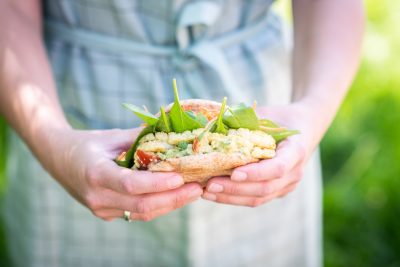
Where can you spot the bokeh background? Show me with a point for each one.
(360, 154)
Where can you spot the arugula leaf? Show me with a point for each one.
(180, 120)
(241, 116)
(220, 127)
(146, 116)
(164, 123)
(128, 162)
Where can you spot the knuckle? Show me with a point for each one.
(280, 169)
(232, 189)
(265, 190)
(127, 186)
(92, 176)
(157, 185)
(101, 216)
(178, 201)
(92, 202)
(142, 206)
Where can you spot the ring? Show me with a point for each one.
(127, 216)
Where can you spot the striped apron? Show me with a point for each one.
(105, 52)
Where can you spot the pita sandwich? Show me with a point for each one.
(201, 139)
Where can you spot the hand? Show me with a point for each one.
(257, 183)
(84, 166)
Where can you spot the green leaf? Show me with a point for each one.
(220, 127)
(180, 120)
(283, 135)
(128, 162)
(241, 116)
(268, 123)
(201, 118)
(146, 116)
(164, 123)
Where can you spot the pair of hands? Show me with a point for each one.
(86, 168)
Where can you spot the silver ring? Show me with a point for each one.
(127, 216)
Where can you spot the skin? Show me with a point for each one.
(327, 45)
(323, 69)
(81, 161)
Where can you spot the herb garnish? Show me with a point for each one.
(146, 116)
(181, 120)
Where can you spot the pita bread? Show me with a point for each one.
(201, 167)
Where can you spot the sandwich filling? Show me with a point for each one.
(159, 146)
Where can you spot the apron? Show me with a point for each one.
(106, 52)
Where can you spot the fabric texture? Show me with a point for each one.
(47, 227)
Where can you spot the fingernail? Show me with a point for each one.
(210, 196)
(175, 181)
(239, 176)
(196, 192)
(215, 188)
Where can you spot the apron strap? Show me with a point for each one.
(207, 51)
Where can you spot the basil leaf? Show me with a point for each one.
(180, 120)
(146, 116)
(220, 127)
(241, 116)
(164, 123)
(128, 162)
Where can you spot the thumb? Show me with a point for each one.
(122, 139)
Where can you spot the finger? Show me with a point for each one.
(254, 189)
(134, 182)
(122, 138)
(233, 200)
(245, 200)
(289, 153)
(149, 203)
(287, 190)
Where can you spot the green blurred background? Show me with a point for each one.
(360, 155)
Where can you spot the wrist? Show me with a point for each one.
(47, 143)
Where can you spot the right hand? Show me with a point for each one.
(83, 162)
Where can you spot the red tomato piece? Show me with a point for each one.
(146, 158)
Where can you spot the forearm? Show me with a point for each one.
(327, 45)
(28, 99)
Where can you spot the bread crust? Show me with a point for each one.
(201, 167)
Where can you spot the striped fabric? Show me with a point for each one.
(47, 227)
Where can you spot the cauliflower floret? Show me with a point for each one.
(262, 153)
(155, 146)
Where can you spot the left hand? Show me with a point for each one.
(257, 183)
